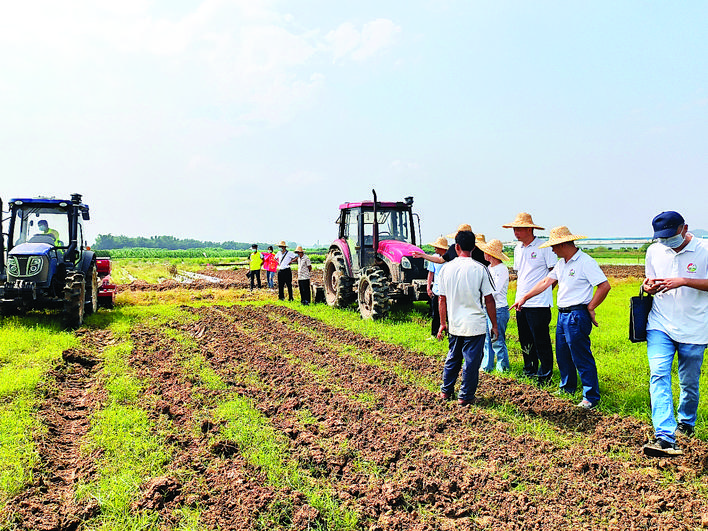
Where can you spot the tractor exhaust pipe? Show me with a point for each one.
(376, 226)
(2, 244)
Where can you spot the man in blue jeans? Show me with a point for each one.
(677, 275)
(576, 274)
(463, 284)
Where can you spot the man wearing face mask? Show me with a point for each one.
(677, 275)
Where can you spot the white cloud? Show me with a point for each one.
(374, 37)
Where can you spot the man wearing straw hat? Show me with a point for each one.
(677, 276)
(285, 274)
(451, 254)
(440, 246)
(464, 283)
(576, 274)
(493, 252)
(532, 263)
(304, 270)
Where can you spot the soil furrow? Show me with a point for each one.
(72, 396)
(583, 476)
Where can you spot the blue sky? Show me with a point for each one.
(252, 121)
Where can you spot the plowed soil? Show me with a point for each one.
(363, 419)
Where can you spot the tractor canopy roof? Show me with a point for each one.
(380, 204)
(50, 202)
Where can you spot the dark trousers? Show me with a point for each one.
(257, 275)
(435, 314)
(285, 278)
(535, 339)
(573, 354)
(304, 286)
(467, 349)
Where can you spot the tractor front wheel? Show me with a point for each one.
(339, 287)
(74, 299)
(373, 294)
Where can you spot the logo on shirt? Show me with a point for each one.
(571, 273)
(691, 268)
(533, 254)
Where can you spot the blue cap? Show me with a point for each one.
(666, 223)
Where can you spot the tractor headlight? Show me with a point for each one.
(34, 265)
(13, 266)
(405, 263)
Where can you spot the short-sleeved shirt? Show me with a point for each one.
(500, 279)
(303, 268)
(681, 313)
(464, 282)
(576, 279)
(284, 258)
(435, 269)
(532, 263)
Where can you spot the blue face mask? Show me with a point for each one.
(673, 241)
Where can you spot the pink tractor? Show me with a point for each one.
(371, 260)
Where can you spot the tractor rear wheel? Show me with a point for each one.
(91, 290)
(339, 287)
(74, 299)
(373, 294)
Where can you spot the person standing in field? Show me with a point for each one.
(464, 284)
(270, 264)
(676, 269)
(285, 274)
(304, 270)
(576, 274)
(440, 245)
(532, 263)
(255, 260)
(494, 254)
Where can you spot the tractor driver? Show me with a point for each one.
(43, 226)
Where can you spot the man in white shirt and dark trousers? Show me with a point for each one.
(576, 274)
(677, 276)
(304, 270)
(285, 274)
(463, 284)
(532, 263)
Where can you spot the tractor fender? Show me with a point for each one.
(341, 246)
(88, 257)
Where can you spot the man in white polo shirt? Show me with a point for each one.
(677, 275)
(576, 275)
(464, 283)
(532, 263)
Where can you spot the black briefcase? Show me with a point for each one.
(639, 308)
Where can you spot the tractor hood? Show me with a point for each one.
(394, 250)
(31, 249)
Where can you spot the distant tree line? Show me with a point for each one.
(108, 241)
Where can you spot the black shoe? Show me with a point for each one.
(661, 448)
(463, 403)
(684, 429)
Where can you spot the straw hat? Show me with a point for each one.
(523, 219)
(298, 249)
(463, 227)
(282, 244)
(479, 238)
(560, 235)
(440, 243)
(494, 248)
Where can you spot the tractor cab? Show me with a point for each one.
(357, 228)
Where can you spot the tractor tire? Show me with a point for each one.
(74, 299)
(91, 290)
(373, 294)
(338, 286)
